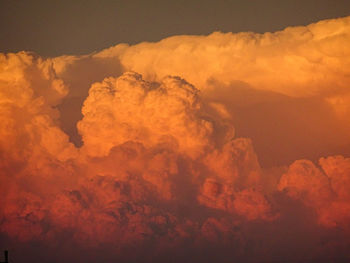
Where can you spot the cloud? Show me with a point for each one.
(194, 148)
(130, 109)
(324, 189)
(270, 77)
(298, 61)
(29, 91)
(143, 143)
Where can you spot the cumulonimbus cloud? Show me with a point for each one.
(160, 165)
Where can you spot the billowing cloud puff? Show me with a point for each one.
(325, 189)
(131, 109)
(196, 145)
(234, 175)
(29, 88)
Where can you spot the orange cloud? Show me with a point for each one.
(131, 109)
(326, 190)
(181, 144)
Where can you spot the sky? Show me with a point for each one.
(175, 132)
(52, 28)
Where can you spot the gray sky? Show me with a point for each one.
(81, 26)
